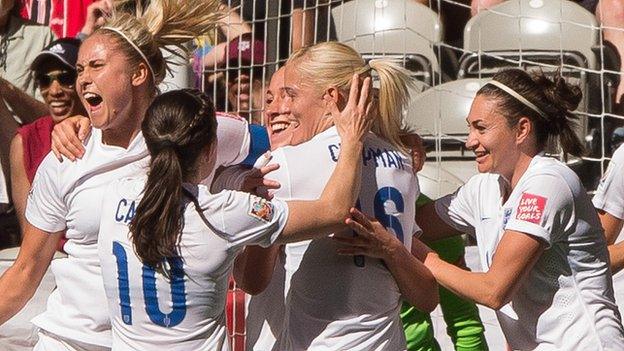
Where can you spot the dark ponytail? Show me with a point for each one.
(555, 98)
(178, 127)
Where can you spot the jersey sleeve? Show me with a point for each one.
(458, 209)
(245, 219)
(45, 208)
(609, 196)
(544, 208)
(238, 141)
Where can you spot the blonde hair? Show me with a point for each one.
(163, 24)
(333, 64)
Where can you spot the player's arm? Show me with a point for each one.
(515, 256)
(309, 219)
(253, 268)
(19, 180)
(433, 227)
(26, 107)
(415, 281)
(611, 224)
(19, 283)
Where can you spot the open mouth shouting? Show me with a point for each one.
(94, 101)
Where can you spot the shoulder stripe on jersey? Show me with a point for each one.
(258, 145)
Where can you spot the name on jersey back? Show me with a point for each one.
(379, 157)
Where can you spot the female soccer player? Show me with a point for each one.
(332, 301)
(119, 68)
(544, 258)
(179, 229)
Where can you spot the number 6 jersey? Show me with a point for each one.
(332, 301)
(186, 311)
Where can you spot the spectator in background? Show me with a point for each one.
(64, 17)
(240, 65)
(300, 22)
(55, 74)
(20, 42)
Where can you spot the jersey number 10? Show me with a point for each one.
(178, 294)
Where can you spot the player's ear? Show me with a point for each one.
(523, 129)
(332, 94)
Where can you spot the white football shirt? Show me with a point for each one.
(566, 301)
(332, 303)
(609, 196)
(67, 195)
(187, 311)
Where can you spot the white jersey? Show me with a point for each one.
(609, 196)
(238, 142)
(566, 301)
(67, 196)
(187, 311)
(332, 303)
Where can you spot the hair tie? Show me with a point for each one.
(125, 37)
(518, 97)
(166, 144)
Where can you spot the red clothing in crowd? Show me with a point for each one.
(36, 140)
(37, 143)
(64, 17)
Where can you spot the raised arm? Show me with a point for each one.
(26, 107)
(340, 193)
(19, 283)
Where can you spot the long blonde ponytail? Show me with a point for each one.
(333, 64)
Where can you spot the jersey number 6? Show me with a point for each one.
(178, 295)
(388, 220)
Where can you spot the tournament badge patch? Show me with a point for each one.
(262, 209)
(531, 208)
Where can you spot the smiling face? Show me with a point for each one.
(277, 116)
(104, 82)
(492, 140)
(308, 110)
(58, 93)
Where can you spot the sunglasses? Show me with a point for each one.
(65, 78)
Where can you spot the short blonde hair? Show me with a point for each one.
(333, 64)
(163, 24)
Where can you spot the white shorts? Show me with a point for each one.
(52, 342)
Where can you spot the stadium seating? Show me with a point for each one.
(403, 30)
(439, 116)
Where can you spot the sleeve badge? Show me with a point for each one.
(531, 208)
(262, 209)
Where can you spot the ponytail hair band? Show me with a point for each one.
(166, 144)
(518, 97)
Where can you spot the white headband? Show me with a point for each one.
(135, 48)
(518, 97)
